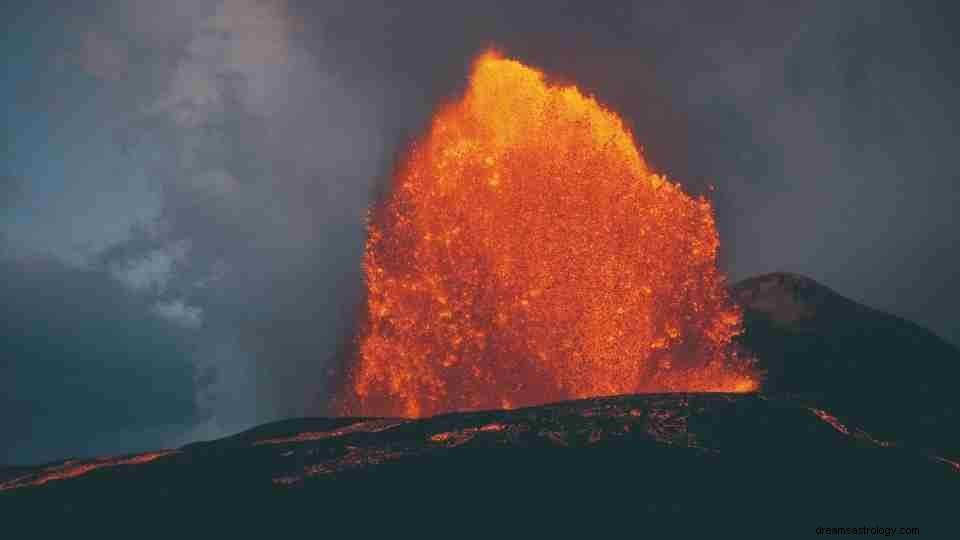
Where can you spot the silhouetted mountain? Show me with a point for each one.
(852, 359)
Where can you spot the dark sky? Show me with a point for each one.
(183, 183)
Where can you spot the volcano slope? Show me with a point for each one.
(630, 461)
(897, 379)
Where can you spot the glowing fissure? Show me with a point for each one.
(372, 426)
(75, 468)
(528, 254)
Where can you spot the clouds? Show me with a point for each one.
(102, 57)
(153, 270)
(84, 367)
(272, 156)
(221, 116)
(10, 190)
(177, 312)
(240, 51)
(275, 155)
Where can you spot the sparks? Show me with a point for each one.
(528, 254)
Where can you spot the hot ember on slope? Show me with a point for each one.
(528, 254)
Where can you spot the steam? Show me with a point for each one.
(264, 157)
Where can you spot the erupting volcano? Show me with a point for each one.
(528, 254)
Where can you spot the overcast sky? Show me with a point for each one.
(183, 183)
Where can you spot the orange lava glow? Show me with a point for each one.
(528, 254)
(832, 420)
(371, 426)
(74, 468)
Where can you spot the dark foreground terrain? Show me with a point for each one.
(671, 460)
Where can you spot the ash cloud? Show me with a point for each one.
(272, 154)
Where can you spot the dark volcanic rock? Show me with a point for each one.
(853, 359)
(625, 462)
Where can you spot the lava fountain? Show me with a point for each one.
(528, 254)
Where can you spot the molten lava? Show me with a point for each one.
(75, 468)
(528, 254)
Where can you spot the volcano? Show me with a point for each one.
(817, 447)
(547, 338)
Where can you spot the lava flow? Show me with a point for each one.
(75, 468)
(528, 254)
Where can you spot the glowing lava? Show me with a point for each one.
(75, 468)
(528, 254)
